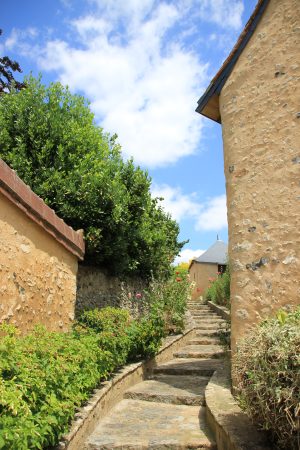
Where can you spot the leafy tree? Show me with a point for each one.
(50, 138)
(7, 67)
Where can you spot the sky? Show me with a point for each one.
(143, 65)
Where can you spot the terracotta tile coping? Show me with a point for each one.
(34, 207)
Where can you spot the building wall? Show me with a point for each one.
(200, 274)
(95, 289)
(37, 274)
(260, 110)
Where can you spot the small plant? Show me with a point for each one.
(267, 369)
(219, 289)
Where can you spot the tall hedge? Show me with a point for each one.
(50, 138)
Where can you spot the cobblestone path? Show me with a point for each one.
(168, 410)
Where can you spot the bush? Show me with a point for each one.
(166, 300)
(125, 338)
(49, 137)
(219, 289)
(44, 377)
(111, 325)
(145, 337)
(267, 370)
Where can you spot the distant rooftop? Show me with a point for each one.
(216, 254)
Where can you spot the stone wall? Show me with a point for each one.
(38, 259)
(260, 110)
(95, 289)
(200, 273)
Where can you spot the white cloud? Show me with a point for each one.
(209, 215)
(141, 88)
(225, 13)
(186, 255)
(21, 40)
(131, 60)
(176, 203)
(214, 214)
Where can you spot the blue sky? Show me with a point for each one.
(143, 64)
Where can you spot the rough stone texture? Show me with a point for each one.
(231, 427)
(220, 310)
(200, 274)
(112, 391)
(95, 289)
(261, 131)
(37, 273)
(155, 426)
(173, 389)
(188, 366)
(200, 351)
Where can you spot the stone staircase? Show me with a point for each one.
(168, 410)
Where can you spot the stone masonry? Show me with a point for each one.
(260, 112)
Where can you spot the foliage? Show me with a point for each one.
(145, 337)
(44, 377)
(7, 80)
(50, 138)
(125, 338)
(182, 269)
(267, 369)
(106, 319)
(219, 289)
(166, 300)
(111, 325)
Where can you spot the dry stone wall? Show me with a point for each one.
(95, 289)
(260, 110)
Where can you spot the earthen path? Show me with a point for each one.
(168, 410)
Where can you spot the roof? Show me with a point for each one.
(216, 254)
(208, 104)
(13, 188)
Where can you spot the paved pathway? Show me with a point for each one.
(168, 410)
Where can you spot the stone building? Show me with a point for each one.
(39, 256)
(256, 97)
(206, 267)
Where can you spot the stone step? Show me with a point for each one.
(204, 340)
(207, 333)
(210, 326)
(215, 320)
(189, 366)
(200, 351)
(140, 425)
(205, 317)
(203, 313)
(183, 390)
(199, 307)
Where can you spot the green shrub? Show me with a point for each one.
(110, 319)
(44, 377)
(267, 370)
(49, 137)
(167, 300)
(111, 325)
(145, 337)
(219, 289)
